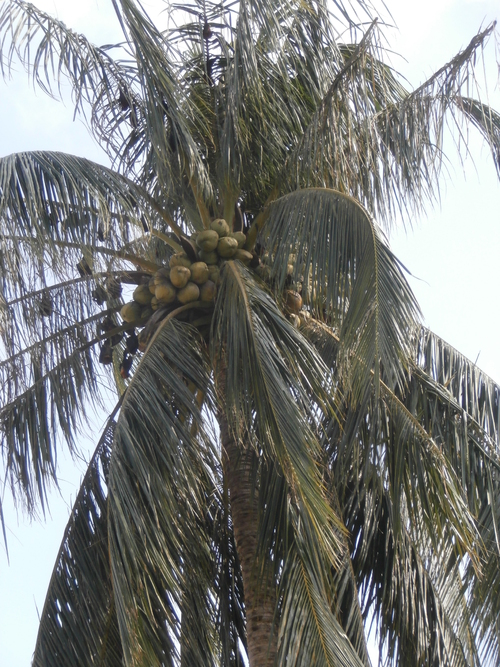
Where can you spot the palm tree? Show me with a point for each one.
(292, 457)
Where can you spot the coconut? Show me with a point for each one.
(131, 312)
(227, 247)
(146, 313)
(293, 301)
(151, 285)
(161, 275)
(208, 291)
(207, 240)
(199, 273)
(220, 226)
(240, 237)
(142, 295)
(179, 276)
(295, 320)
(180, 259)
(190, 292)
(165, 292)
(154, 303)
(214, 273)
(244, 256)
(209, 257)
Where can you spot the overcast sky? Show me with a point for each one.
(454, 251)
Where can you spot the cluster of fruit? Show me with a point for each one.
(190, 277)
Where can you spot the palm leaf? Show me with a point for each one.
(349, 276)
(161, 483)
(78, 624)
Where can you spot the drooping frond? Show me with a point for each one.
(266, 371)
(78, 624)
(349, 277)
(162, 479)
(383, 145)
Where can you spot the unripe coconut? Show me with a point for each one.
(295, 320)
(214, 273)
(209, 257)
(154, 303)
(179, 276)
(240, 237)
(131, 312)
(293, 301)
(207, 240)
(227, 247)
(165, 292)
(179, 259)
(152, 285)
(220, 226)
(208, 291)
(189, 293)
(200, 272)
(244, 256)
(142, 295)
(161, 275)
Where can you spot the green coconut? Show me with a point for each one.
(209, 257)
(214, 273)
(240, 237)
(207, 240)
(191, 292)
(179, 259)
(208, 291)
(244, 256)
(200, 272)
(142, 295)
(152, 285)
(179, 276)
(161, 275)
(227, 247)
(131, 312)
(165, 292)
(220, 226)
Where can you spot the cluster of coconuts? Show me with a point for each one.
(186, 280)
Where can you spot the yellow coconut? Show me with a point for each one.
(240, 237)
(244, 256)
(142, 295)
(199, 273)
(179, 276)
(165, 292)
(131, 312)
(293, 301)
(220, 226)
(227, 247)
(208, 291)
(179, 259)
(209, 257)
(214, 273)
(161, 275)
(191, 292)
(207, 240)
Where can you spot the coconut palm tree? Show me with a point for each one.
(292, 458)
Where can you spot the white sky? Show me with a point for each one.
(454, 251)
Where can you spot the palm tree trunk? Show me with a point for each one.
(260, 600)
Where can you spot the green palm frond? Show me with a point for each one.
(349, 277)
(78, 624)
(268, 369)
(160, 492)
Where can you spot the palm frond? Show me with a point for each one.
(268, 370)
(381, 144)
(161, 482)
(78, 624)
(349, 277)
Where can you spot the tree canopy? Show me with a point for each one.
(292, 456)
